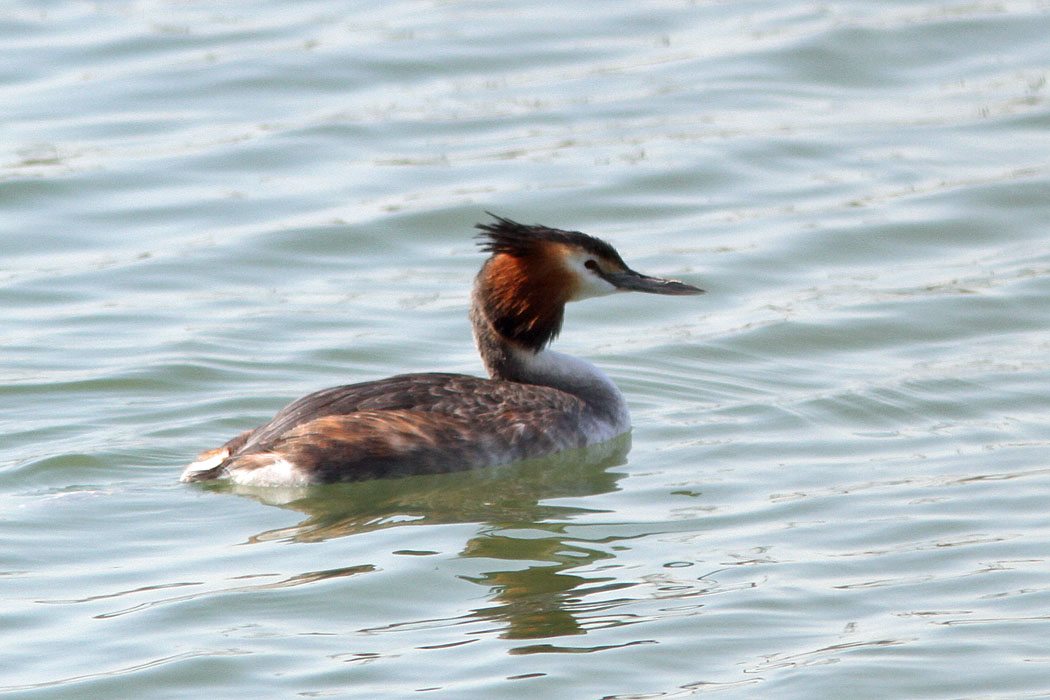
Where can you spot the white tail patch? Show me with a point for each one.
(274, 471)
(205, 461)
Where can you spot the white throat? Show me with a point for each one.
(579, 378)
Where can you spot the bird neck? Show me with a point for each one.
(509, 359)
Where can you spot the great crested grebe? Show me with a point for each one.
(537, 401)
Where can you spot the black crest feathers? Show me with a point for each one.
(510, 237)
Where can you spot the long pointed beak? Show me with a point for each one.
(631, 281)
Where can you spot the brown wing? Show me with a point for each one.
(410, 424)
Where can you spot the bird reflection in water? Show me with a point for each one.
(538, 600)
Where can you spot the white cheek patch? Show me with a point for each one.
(588, 283)
(593, 286)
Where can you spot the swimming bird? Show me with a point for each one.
(535, 402)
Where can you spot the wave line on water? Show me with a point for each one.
(297, 580)
(121, 671)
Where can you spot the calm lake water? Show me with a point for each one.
(838, 480)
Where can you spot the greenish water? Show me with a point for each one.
(838, 478)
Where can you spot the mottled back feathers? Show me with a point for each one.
(408, 424)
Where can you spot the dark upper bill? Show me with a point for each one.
(632, 281)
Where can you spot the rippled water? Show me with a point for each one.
(840, 468)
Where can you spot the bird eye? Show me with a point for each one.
(592, 265)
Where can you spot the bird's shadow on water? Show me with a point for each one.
(533, 593)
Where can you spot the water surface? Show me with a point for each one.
(840, 464)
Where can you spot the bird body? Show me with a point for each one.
(535, 401)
